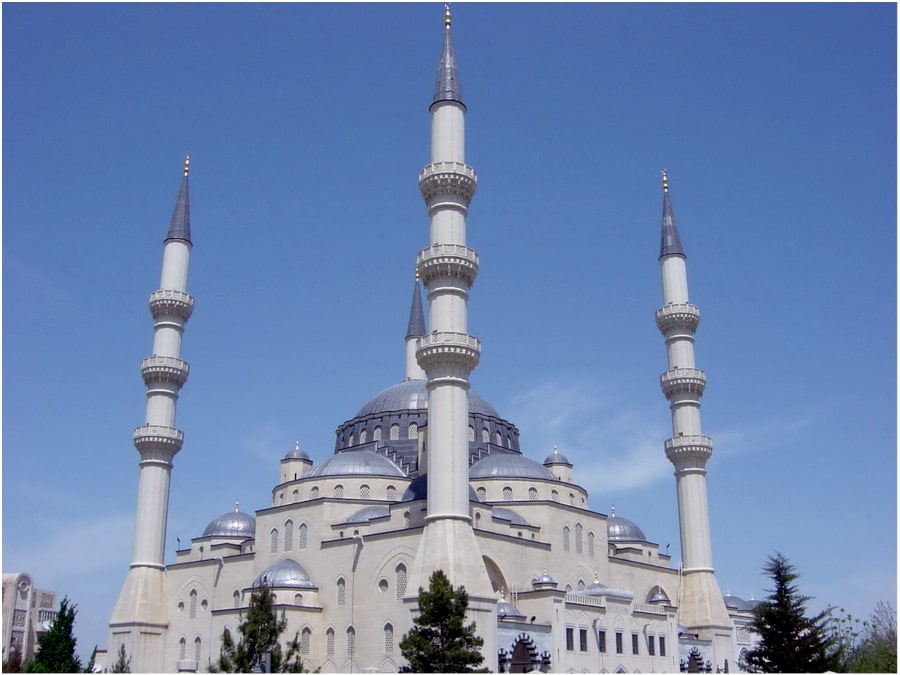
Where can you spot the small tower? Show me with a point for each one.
(448, 354)
(701, 607)
(559, 465)
(295, 464)
(414, 331)
(140, 617)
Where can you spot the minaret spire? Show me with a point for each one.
(447, 87)
(701, 606)
(415, 330)
(141, 615)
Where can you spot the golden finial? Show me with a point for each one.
(447, 16)
(555, 449)
(665, 178)
(187, 164)
(417, 272)
(596, 577)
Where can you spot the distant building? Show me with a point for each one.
(27, 615)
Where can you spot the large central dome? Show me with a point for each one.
(389, 424)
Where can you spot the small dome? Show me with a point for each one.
(544, 580)
(510, 515)
(285, 573)
(232, 524)
(297, 453)
(506, 610)
(622, 529)
(739, 604)
(356, 463)
(418, 489)
(658, 597)
(368, 513)
(412, 395)
(508, 465)
(596, 588)
(556, 457)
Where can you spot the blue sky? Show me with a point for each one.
(307, 126)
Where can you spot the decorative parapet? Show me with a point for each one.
(177, 304)
(448, 178)
(453, 260)
(155, 369)
(157, 442)
(438, 348)
(678, 316)
(683, 381)
(589, 600)
(650, 609)
(690, 451)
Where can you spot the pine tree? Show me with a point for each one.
(123, 662)
(790, 642)
(439, 642)
(57, 647)
(258, 646)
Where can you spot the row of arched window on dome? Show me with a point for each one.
(412, 431)
(365, 492)
(533, 495)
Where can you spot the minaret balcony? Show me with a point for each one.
(157, 442)
(452, 260)
(683, 381)
(156, 369)
(170, 303)
(690, 449)
(448, 178)
(677, 316)
(448, 348)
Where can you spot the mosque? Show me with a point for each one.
(428, 475)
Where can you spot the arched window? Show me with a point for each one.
(289, 535)
(395, 432)
(352, 439)
(383, 585)
(507, 493)
(406, 519)
(339, 491)
(301, 536)
(391, 493)
(273, 540)
(363, 436)
(236, 596)
(508, 441)
(554, 496)
(485, 435)
(579, 547)
(305, 639)
(363, 491)
(388, 639)
(581, 585)
(566, 538)
(376, 434)
(413, 430)
(591, 544)
(571, 499)
(314, 493)
(471, 435)
(481, 493)
(351, 642)
(477, 521)
(193, 604)
(329, 642)
(341, 591)
(568, 588)
(197, 650)
(532, 494)
(182, 649)
(400, 584)
(295, 496)
(498, 439)
(298, 599)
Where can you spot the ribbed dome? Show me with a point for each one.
(232, 524)
(297, 453)
(355, 463)
(622, 529)
(412, 395)
(556, 457)
(508, 465)
(285, 573)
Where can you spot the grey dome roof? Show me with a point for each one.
(622, 529)
(418, 489)
(508, 465)
(355, 463)
(232, 524)
(412, 395)
(368, 513)
(297, 453)
(556, 457)
(510, 515)
(286, 573)
(506, 609)
(544, 580)
(734, 602)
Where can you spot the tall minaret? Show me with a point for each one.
(448, 354)
(701, 607)
(140, 618)
(415, 329)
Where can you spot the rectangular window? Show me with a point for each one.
(582, 639)
(570, 639)
(651, 645)
(601, 640)
(619, 647)
(635, 642)
(662, 646)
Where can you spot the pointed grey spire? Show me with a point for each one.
(671, 242)
(181, 217)
(447, 87)
(416, 326)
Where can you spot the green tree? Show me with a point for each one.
(258, 646)
(123, 662)
(876, 649)
(13, 663)
(439, 641)
(57, 647)
(790, 642)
